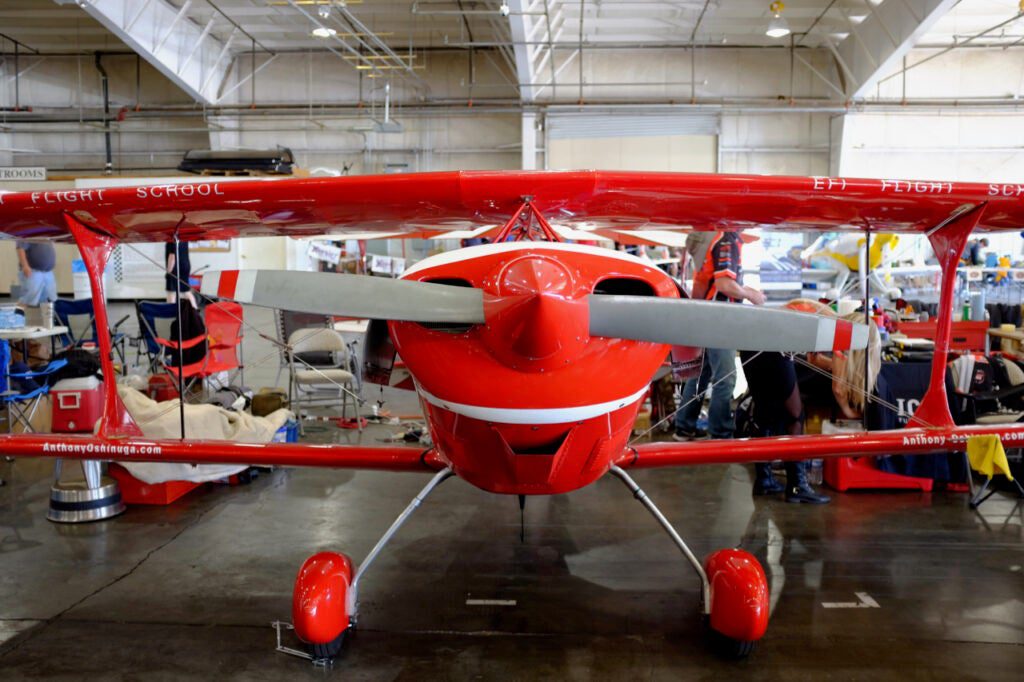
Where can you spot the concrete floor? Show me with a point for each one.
(188, 591)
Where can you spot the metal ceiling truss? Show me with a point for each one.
(164, 35)
(369, 51)
(877, 45)
(535, 30)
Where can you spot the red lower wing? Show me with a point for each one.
(795, 448)
(218, 452)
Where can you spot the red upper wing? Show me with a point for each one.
(416, 203)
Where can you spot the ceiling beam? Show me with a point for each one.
(521, 27)
(877, 45)
(189, 55)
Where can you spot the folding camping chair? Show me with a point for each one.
(80, 319)
(224, 333)
(157, 342)
(20, 405)
(155, 319)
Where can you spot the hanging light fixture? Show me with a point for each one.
(324, 10)
(778, 27)
(324, 32)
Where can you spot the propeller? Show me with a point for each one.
(351, 295)
(680, 322)
(684, 322)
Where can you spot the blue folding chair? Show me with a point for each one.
(80, 319)
(22, 403)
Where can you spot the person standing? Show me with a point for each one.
(778, 411)
(973, 254)
(719, 279)
(177, 263)
(36, 261)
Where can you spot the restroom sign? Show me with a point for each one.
(22, 173)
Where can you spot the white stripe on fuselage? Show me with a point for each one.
(555, 415)
(470, 252)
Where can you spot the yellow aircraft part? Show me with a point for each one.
(875, 254)
(1004, 264)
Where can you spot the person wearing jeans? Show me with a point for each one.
(719, 279)
(719, 370)
(36, 261)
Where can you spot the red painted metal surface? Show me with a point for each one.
(73, 446)
(530, 459)
(319, 600)
(739, 595)
(415, 203)
(860, 473)
(529, 402)
(948, 242)
(494, 365)
(908, 441)
(96, 248)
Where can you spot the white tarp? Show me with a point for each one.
(161, 420)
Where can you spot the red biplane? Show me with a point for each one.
(531, 356)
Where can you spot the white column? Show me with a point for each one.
(529, 140)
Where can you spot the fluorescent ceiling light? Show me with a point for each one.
(778, 27)
(324, 32)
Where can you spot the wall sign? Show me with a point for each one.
(22, 173)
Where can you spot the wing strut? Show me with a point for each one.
(96, 247)
(521, 225)
(948, 240)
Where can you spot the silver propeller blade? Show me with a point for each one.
(327, 293)
(684, 322)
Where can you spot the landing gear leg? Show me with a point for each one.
(325, 600)
(641, 497)
(734, 589)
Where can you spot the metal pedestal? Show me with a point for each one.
(94, 499)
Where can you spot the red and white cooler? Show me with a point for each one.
(77, 404)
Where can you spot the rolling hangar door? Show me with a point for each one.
(632, 141)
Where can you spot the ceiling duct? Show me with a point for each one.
(571, 125)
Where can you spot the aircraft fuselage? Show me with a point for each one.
(529, 402)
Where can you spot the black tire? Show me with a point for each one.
(734, 649)
(329, 650)
(726, 647)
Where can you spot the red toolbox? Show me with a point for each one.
(971, 336)
(77, 404)
(162, 387)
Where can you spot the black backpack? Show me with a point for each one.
(81, 363)
(192, 326)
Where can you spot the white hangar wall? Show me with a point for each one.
(977, 133)
(311, 103)
(769, 119)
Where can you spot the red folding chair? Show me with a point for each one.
(224, 330)
(223, 321)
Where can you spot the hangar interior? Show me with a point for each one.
(884, 581)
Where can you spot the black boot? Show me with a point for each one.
(797, 487)
(764, 481)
